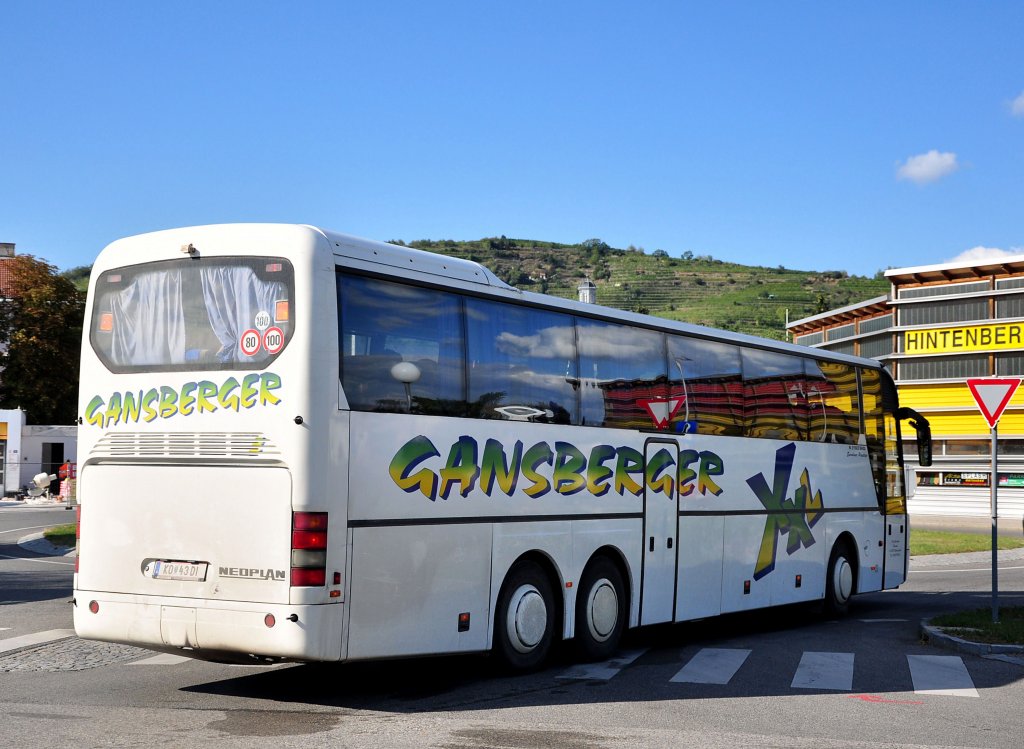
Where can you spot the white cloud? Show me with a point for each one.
(1017, 106)
(981, 254)
(928, 167)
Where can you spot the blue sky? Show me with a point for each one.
(818, 136)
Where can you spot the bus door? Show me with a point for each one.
(660, 528)
(896, 546)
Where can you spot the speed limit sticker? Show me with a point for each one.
(273, 340)
(250, 342)
(262, 320)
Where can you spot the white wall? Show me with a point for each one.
(15, 420)
(32, 439)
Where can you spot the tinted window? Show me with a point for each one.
(384, 324)
(832, 402)
(774, 390)
(707, 376)
(522, 363)
(622, 376)
(194, 314)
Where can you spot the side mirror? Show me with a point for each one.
(924, 434)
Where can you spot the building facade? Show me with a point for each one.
(939, 326)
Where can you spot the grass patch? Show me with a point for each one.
(944, 542)
(977, 626)
(61, 535)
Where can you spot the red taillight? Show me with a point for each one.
(309, 549)
(309, 539)
(309, 521)
(308, 576)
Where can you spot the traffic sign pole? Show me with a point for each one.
(994, 481)
(993, 394)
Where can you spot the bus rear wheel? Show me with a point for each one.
(840, 582)
(600, 610)
(524, 624)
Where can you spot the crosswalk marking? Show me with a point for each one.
(941, 674)
(825, 671)
(712, 666)
(937, 675)
(601, 671)
(36, 638)
(161, 659)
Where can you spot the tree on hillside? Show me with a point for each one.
(79, 276)
(41, 334)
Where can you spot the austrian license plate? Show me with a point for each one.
(165, 569)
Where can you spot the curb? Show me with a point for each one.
(936, 636)
(38, 544)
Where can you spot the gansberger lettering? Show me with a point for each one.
(958, 340)
(252, 573)
(542, 468)
(165, 402)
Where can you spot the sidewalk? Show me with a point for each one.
(1012, 527)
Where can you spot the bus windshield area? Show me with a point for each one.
(193, 314)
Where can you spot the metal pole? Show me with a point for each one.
(994, 480)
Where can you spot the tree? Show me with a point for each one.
(41, 332)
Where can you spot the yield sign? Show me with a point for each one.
(992, 394)
(662, 409)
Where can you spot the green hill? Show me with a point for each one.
(696, 289)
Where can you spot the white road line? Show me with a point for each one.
(36, 638)
(30, 528)
(824, 671)
(712, 666)
(972, 569)
(36, 559)
(941, 674)
(258, 665)
(161, 659)
(881, 621)
(601, 671)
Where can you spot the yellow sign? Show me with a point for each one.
(995, 336)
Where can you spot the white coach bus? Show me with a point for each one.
(299, 445)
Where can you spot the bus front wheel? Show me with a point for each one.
(524, 624)
(600, 610)
(839, 585)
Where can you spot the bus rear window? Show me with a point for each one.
(193, 314)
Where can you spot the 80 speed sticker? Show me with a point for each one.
(250, 342)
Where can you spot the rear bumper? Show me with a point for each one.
(212, 629)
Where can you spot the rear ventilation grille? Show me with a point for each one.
(212, 445)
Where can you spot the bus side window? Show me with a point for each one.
(774, 388)
(874, 428)
(832, 403)
(622, 376)
(706, 375)
(522, 363)
(394, 323)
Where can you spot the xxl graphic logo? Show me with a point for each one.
(793, 517)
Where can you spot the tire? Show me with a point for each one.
(600, 611)
(841, 580)
(524, 623)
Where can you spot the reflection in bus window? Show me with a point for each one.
(522, 363)
(774, 392)
(383, 324)
(832, 403)
(874, 428)
(622, 375)
(707, 376)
